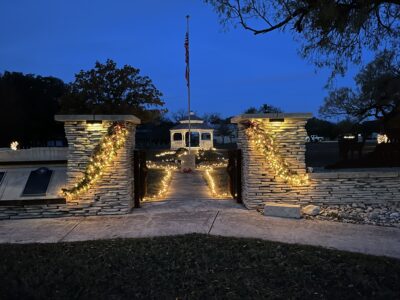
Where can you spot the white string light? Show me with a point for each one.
(103, 155)
(266, 144)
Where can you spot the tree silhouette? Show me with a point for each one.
(28, 104)
(179, 115)
(263, 109)
(377, 94)
(107, 89)
(333, 32)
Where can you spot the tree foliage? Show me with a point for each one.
(263, 109)
(212, 118)
(28, 104)
(223, 127)
(154, 134)
(107, 89)
(321, 128)
(333, 32)
(377, 93)
(179, 115)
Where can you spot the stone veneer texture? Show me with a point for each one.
(259, 184)
(111, 194)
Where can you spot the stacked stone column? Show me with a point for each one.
(259, 183)
(113, 192)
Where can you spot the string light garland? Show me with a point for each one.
(165, 153)
(266, 144)
(165, 181)
(103, 154)
(211, 183)
(207, 165)
(161, 165)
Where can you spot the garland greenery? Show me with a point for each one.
(266, 144)
(103, 154)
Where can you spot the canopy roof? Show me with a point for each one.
(193, 126)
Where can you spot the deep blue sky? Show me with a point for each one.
(230, 70)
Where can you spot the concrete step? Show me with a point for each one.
(282, 210)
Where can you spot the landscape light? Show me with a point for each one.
(382, 139)
(349, 137)
(14, 145)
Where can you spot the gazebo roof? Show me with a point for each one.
(193, 126)
(192, 118)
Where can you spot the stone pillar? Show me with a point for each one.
(113, 192)
(259, 184)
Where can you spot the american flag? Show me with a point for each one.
(187, 58)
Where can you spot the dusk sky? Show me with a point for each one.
(230, 70)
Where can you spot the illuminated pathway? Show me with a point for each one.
(187, 186)
(189, 192)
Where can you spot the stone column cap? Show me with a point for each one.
(243, 117)
(128, 118)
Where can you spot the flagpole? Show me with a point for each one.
(188, 81)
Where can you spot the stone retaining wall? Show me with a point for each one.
(259, 184)
(366, 187)
(112, 193)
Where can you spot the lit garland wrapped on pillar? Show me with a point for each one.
(102, 156)
(266, 144)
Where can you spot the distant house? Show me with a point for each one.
(201, 137)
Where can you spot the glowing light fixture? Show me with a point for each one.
(14, 145)
(382, 139)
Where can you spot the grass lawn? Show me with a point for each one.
(221, 181)
(192, 267)
(154, 178)
(221, 178)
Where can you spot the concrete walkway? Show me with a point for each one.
(232, 221)
(188, 193)
(188, 186)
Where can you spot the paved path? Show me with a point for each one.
(188, 186)
(188, 193)
(227, 222)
